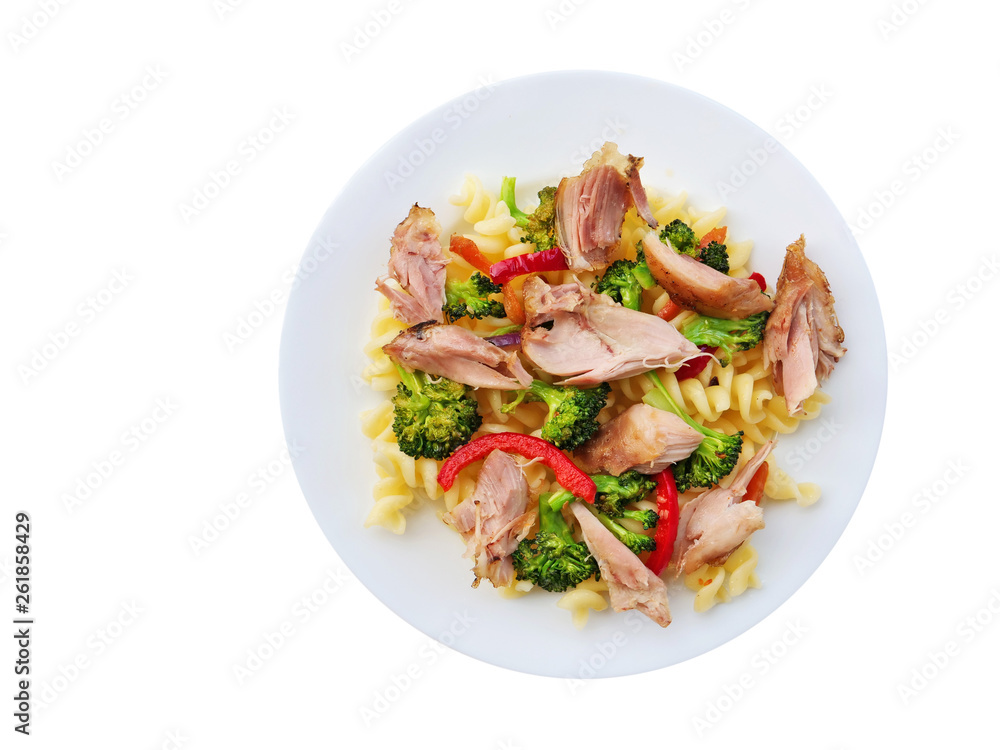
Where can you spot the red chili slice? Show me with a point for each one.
(547, 260)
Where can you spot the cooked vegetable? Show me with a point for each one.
(552, 559)
(715, 256)
(682, 238)
(512, 304)
(470, 252)
(712, 460)
(614, 493)
(641, 270)
(755, 487)
(713, 235)
(635, 541)
(693, 367)
(670, 311)
(572, 417)
(506, 339)
(668, 509)
(547, 260)
(432, 416)
(728, 336)
(539, 226)
(567, 473)
(621, 284)
(471, 299)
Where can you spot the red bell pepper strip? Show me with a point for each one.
(715, 235)
(547, 260)
(760, 280)
(568, 474)
(755, 487)
(470, 252)
(693, 367)
(668, 508)
(669, 310)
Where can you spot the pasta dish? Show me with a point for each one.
(588, 389)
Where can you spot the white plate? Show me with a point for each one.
(538, 128)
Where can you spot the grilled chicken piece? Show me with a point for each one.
(715, 523)
(591, 207)
(803, 340)
(641, 438)
(593, 338)
(417, 262)
(458, 354)
(630, 583)
(698, 287)
(493, 519)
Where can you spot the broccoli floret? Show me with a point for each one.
(632, 539)
(714, 458)
(648, 518)
(635, 541)
(573, 411)
(683, 240)
(621, 284)
(715, 256)
(681, 237)
(471, 298)
(432, 416)
(625, 279)
(539, 227)
(641, 269)
(727, 335)
(613, 493)
(552, 559)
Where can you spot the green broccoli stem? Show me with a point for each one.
(409, 379)
(507, 196)
(557, 500)
(641, 269)
(636, 542)
(512, 328)
(671, 405)
(551, 519)
(704, 331)
(609, 523)
(640, 516)
(553, 396)
(518, 399)
(643, 275)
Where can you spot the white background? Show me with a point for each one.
(139, 631)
